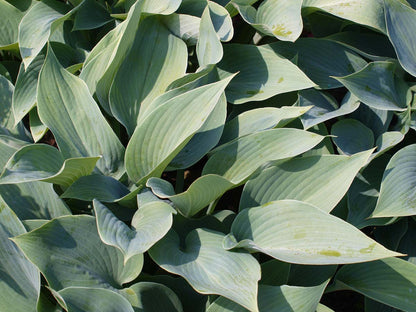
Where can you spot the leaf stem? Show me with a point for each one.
(212, 206)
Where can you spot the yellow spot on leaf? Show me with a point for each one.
(330, 253)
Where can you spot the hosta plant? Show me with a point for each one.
(207, 156)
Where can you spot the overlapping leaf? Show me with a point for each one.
(262, 75)
(20, 279)
(175, 129)
(297, 232)
(390, 281)
(77, 261)
(70, 112)
(38, 162)
(149, 224)
(208, 267)
(307, 179)
(278, 18)
(397, 196)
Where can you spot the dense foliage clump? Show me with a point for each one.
(207, 156)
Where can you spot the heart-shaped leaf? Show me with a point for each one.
(150, 223)
(235, 275)
(80, 258)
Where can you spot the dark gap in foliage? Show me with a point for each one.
(49, 139)
(230, 200)
(344, 301)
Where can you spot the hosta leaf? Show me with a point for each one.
(42, 17)
(147, 71)
(204, 139)
(10, 16)
(200, 193)
(351, 136)
(165, 7)
(387, 141)
(90, 14)
(369, 13)
(324, 107)
(297, 232)
(20, 279)
(259, 119)
(390, 281)
(148, 152)
(399, 20)
(373, 46)
(77, 261)
(24, 96)
(221, 20)
(103, 188)
(277, 299)
(8, 146)
(107, 56)
(81, 299)
(278, 18)
(397, 196)
(262, 75)
(323, 308)
(320, 59)
(237, 160)
(208, 48)
(377, 86)
(363, 194)
(69, 111)
(37, 128)
(153, 297)
(183, 26)
(150, 223)
(33, 200)
(308, 179)
(41, 162)
(208, 267)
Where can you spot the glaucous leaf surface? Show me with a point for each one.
(277, 299)
(237, 160)
(369, 13)
(320, 59)
(262, 75)
(25, 93)
(278, 18)
(208, 267)
(390, 281)
(44, 16)
(149, 224)
(146, 71)
(33, 200)
(400, 18)
(20, 279)
(397, 197)
(307, 179)
(81, 299)
(66, 107)
(377, 86)
(324, 106)
(153, 297)
(297, 232)
(174, 130)
(77, 261)
(108, 54)
(100, 187)
(41, 162)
